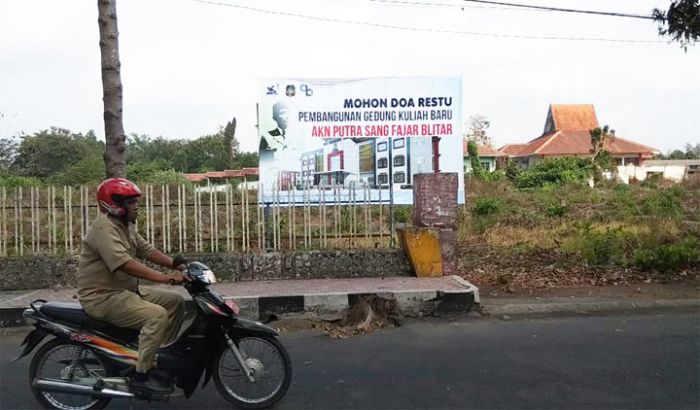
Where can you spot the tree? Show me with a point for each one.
(8, 150)
(230, 142)
(692, 152)
(49, 152)
(246, 160)
(602, 158)
(477, 130)
(473, 151)
(512, 169)
(600, 137)
(114, 155)
(681, 22)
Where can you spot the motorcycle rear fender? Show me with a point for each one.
(31, 341)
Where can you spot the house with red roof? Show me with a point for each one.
(222, 176)
(489, 157)
(567, 133)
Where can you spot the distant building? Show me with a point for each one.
(222, 176)
(567, 133)
(675, 170)
(489, 157)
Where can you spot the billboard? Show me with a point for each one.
(360, 136)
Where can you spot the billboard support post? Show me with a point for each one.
(391, 192)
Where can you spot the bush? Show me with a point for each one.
(87, 170)
(512, 170)
(169, 177)
(556, 171)
(495, 176)
(402, 213)
(670, 257)
(606, 248)
(13, 181)
(663, 202)
(487, 206)
(622, 189)
(557, 210)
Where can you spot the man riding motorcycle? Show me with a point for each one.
(108, 280)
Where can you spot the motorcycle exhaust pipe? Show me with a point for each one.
(63, 387)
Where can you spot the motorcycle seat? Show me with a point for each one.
(73, 313)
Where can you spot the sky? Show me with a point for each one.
(188, 67)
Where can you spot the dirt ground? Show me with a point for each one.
(543, 269)
(683, 289)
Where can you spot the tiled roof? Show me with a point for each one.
(579, 143)
(229, 173)
(487, 151)
(567, 132)
(196, 177)
(572, 117)
(512, 149)
(482, 151)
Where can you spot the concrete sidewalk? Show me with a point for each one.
(414, 296)
(260, 299)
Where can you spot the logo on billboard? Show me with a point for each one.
(304, 88)
(291, 90)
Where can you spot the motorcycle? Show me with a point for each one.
(88, 362)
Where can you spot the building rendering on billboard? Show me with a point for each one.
(372, 135)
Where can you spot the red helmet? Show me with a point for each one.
(111, 195)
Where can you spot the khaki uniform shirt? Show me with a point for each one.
(109, 244)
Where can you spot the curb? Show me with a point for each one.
(264, 307)
(582, 308)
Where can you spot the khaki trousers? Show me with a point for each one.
(158, 313)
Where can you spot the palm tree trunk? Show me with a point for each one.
(115, 150)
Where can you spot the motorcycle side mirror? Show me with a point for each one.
(179, 260)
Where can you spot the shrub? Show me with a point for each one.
(486, 206)
(622, 189)
(556, 171)
(606, 248)
(402, 213)
(495, 176)
(557, 210)
(512, 170)
(663, 202)
(13, 181)
(87, 170)
(169, 177)
(665, 258)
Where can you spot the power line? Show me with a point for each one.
(503, 6)
(422, 29)
(600, 13)
(440, 5)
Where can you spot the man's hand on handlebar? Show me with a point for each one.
(177, 278)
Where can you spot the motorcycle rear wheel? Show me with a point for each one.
(52, 361)
(272, 371)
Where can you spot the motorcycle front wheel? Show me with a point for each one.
(271, 371)
(66, 362)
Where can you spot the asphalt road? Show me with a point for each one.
(613, 362)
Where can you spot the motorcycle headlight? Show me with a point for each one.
(208, 276)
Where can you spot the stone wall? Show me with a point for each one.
(41, 272)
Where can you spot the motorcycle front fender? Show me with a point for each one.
(31, 341)
(250, 327)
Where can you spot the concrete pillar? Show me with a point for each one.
(435, 206)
